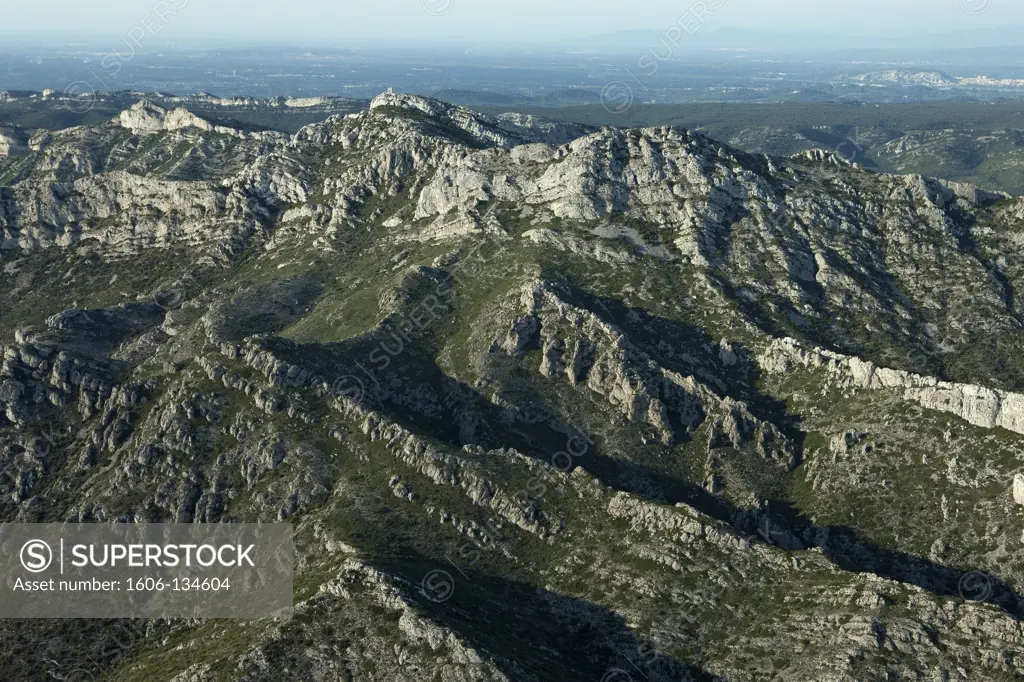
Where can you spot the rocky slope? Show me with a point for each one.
(543, 401)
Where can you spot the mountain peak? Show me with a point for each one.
(146, 117)
(504, 130)
(401, 100)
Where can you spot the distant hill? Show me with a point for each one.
(50, 110)
(561, 98)
(981, 143)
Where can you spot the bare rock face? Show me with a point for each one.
(127, 213)
(1018, 489)
(978, 405)
(12, 143)
(147, 118)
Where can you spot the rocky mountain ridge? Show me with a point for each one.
(645, 405)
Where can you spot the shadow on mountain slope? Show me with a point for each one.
(851, 552)
(450, 405)
(531, 631)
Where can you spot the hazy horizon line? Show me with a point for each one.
(856, 39)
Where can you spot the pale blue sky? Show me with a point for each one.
(342, 21)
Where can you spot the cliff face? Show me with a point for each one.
(12, 142)
(978, 405)
(643, 402)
